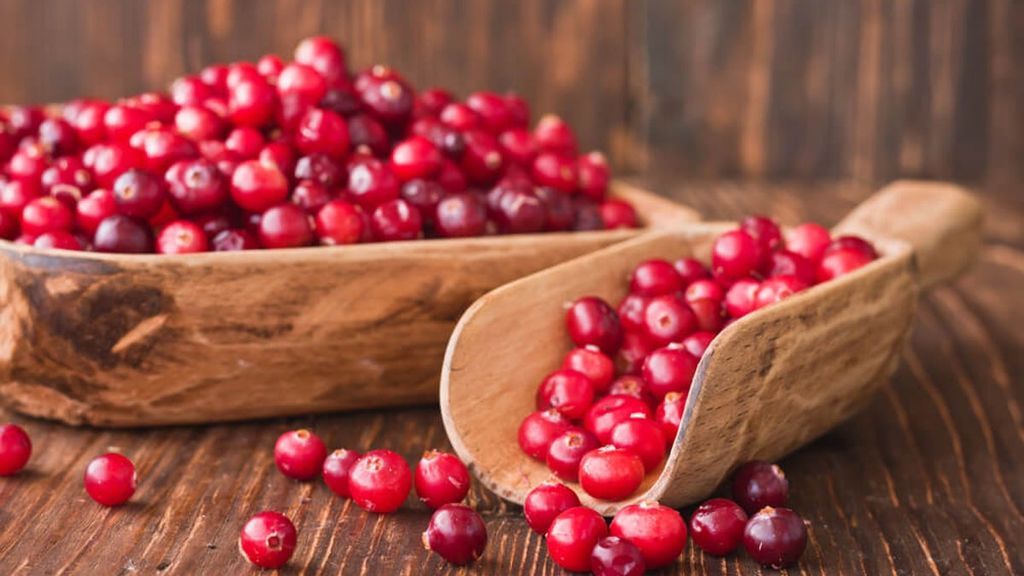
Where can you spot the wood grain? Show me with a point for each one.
(929, 479)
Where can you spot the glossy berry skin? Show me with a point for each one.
(609, 411)
(396, 220)
(518, 147)
(380, 481)
(460, 117)
(310, 196)
(775, 537)
(592, 322)
(669, 369)
(322, 132)
(568, 391)
(424, 195)
(572, 537)
(808, 240)
(321, 169)
(109, 161)
(631, 312)
(546, 501)
(138, 194)
(121, 234)
(338, 223)
(658, 531)
(630, 385)
(669, 414)
(303, 82)
(613, 556)
(181, 237)
(717, 526)
(285, 226)
(668, 319)
(15, 449)
(553, 134)
(324, 55)
(300, 454)
(618, 214)
(841, 262)
(561, 213)
(764, 231)
(457, 533)
(232, 240)
(520, 211)
(336, 470)
(776, 289)
(245, 143)
(709, 315)
(567, 451)
(251, 102)
(690, 270)
(256, 187)
(416, 157)
(110, 479)
(460, 215)
(482, 161)
(441, 478)
(855, 243)
(786, 263)
(593, 175)
(655, 278)
(431, 101)
(757, 484)
(385, 95)
(643, 437)
(538, 430)
(371, 183)
(611, 473)
(735, 254)
(267, 540)
(741, 299)
(697, 343)
(592, 363)
(555, 171)
(46, 214)
(198, 123)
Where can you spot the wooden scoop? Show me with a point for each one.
(768, 384)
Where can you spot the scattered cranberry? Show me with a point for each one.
(613, 556)
(336, 470)
(611, 473)
(380, 481)
(538, 430)
(15, 449)
(567, 451)
(441, 478)
(545, 502)
(775, 537)
(457, 533)
(643, 437)
(591, 321)
(669, 415)
(267, 540)
(758, 484)
(717, 526)
(568, 391)
(110, 479)
(658, 531)
(572, 537)
(300, 454)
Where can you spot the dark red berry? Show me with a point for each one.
(545, 502)
(310, 196)
(592, 363)
(609, 411)
(321, 169)
(643, 437)
(658, 531)
(15, 449)
(669, 415)
(181, 237)
(8, 226)
(710, 316)
(493, 110)
(591, 321)
(764, 231)
(841, 262)
(786, 263)
(717, 526)
(110, 479)
(669, 369)
(690, 270)
(538, 430)
(482, 161)
(520, 211)
(337, 467)
(518, 109)
(285, 226)
(339, 222)
(396, 220)
(234, 239)
(380, 481)
(162, 148)
(854, 243)
(267, 540)
(566, 452)
(256, 186)
(630, 385)
(611, 473)
(278, 154)
(300, 454)
(457, 533)
(119, 233)
(460, 215)
(635, 349)
(775, 537)
(808, 240)
(572, 537)
(109, 161)
(518, 146)
(196, 186)
(613, 556)
(430, 102)
(441, 478)
(568, 391)
(735, 254)
(655, 278)
(631, 312)
(139, 194)
(57, 137)
(758, 484)
(385, 95)
(451, 178)
(371, 183)
(559, 208)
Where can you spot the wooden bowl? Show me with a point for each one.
(121, 340)
(769, 383)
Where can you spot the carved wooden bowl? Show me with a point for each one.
(768, 384)
(122, 340)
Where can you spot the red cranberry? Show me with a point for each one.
(609, 411)
(654, 278)
(67, 172)
(278, 154)
(8, 226)
(568, 391)
(691, 270)
(244, 143)
(613, 556)
(256, 186)
(560, 212)
(385, 95)
(518, 110)
(735, 254)
(339, 222)
(441, 478)
(181, 237)
(322, 131)
(310, 196)
(669, 369)
(520, 211)
(668, 319)
(538, 430)
(545, 502)
(396, 220)
(270, 66)
(775, 537)
(416, 157)
(57, 137)
(758, 484)
(45, 214)
(196, 186)
(572, 537)
(325, 56)
(611, 473)
(841, 262)
(216, 77)
(371, 183)
(364, 131)
(122, 121)
(138, 194)
(776, 289)
(617, 214)
(457, 533)
(717, 526)
(336, 470)
(15, 449)
(709, 314)
(566, 452)
(594, 175)
(786, 263)
(28, 163)
(764, 231)
(233, 240)
(430, 102)
(110, 479)
(198, 123)
(493, 110)
(592, 363)
(460, 215)
(158, 105)
(109, 161)
(634, 350)
(451, 178)
(303, 82)
(300, 454)
(518, 146)
(697, 343)
(162, 148)
(808, 240)
(643, 437)
(591, 321)
(555, 171)
(658, 531)
(251, 102)
(285, 226)
(461, 117)
(853, 243)
(630, 385)
(554, 135)
(741, 299)
(588, 215)
(25, 120)
(88, 122)
(267, 540)
(380, 481)
(669, 415)
(190, 90)
(122, 234)
(240, 72)
(321, 169)
(631, 312)
(482, 161)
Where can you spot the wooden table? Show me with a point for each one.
(928, 480)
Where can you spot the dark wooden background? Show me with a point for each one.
(788, 89)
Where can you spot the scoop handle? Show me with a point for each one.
(942, 222)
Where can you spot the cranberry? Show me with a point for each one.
(630, 385)
(371, 183)
(234, 239)
(448, 140)
(46, 214)
(285, 226)
(572, 537)
(25, 120)
(385, 95)
(267, 540)
(786, 263)
(669, 415)
(554, 135)
(741, 299)
(808, 240)
(256, 186)
(251, 102)
(181, 237)
(457, 533)
(643, 437)
(300, 454)
(697, 343)
(240, 72)
(339, 222)
(538, 430)
(321, 169)
(518, 146)
(301, 81)
(139, 194)
(482, 161)
(764, 231)
(593, 174)
(67, 172)
(776, 289)
(654, 278)
(88, 122)
(591, 321)
(518, 110)
(196, 186)
(634, 350)
(323, 132)
(668, 319)
(545, 502)
(8, 226)
(451, 178)
(669, 369)
(216, 77)
(109, 161)
(161, 148)
(568, 391)
(461, 117)
(28, 163)
(15, 449)
(310, 196)
(735, 254)
(396, 220)
(559, 209)
(364, 131)
(558, 172)
(460, 215)
(337, 467)
(122, 121)
(110, 479)
(441, 478)
(415, 157)
(609, 411)
(758, 484)
(57, 137)
(691, 270)
(119, 233)
(566, 452)
(520, 211)
(717, 526)
(617, 214)
(631, 312)
(244, 142)
(430, 102)
(278, 154)
(775, 537)
(839, 262)
(592, 363)
(709, 314)
(853, 243)
(658, 531)
(325, 56)
(380, 481)
(611, 473)
(613, 556)
(493, 110)
(189, 91)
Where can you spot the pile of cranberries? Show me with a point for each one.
(607, 417)
(284, 154)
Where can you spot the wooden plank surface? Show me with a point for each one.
(928, 480)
